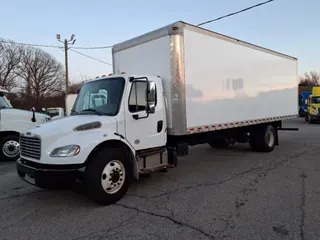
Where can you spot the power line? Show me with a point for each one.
(234, 13)
(53, 46)
(31, 44)
(85, 55)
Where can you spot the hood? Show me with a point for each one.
(65, 126)
(20, 120)
(23, 113)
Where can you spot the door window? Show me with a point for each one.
(138, 98)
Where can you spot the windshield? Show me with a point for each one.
(4, 102)
(100, 97)
(315, 100)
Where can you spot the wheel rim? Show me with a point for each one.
(11, 149)
(270, 138)
(113, 177)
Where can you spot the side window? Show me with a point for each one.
(137, 97)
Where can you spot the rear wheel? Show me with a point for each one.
(107, 176)
(10, 148)
(263, 139)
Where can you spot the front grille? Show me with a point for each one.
(30, 147)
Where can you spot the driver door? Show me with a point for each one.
(144, 130)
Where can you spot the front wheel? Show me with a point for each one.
(10, 148)
(107, 176)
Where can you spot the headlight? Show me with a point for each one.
(65, 151)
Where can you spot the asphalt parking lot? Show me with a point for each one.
(213, 194)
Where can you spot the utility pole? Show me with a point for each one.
(66, 43)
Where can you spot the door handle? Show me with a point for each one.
(159, 126)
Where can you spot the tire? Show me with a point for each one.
(107, 176)
(307, 119)
(220, 143)
(10, 148)
(263, 139)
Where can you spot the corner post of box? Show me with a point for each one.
(178, 88)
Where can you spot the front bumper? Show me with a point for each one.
(48, 176)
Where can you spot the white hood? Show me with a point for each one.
(20, 120)
(65, 126)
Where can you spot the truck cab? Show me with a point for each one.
(313, 113)
(12, 122)
(303, 103)
(118, 121)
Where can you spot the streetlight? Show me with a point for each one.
(66, 43)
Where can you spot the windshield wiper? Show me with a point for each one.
(92, 110)
(74, 111)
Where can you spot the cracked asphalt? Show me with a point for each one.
(212, 194)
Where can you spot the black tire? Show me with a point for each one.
(94, 175)
(8, 146)
(263, 139)
(219, 143)
(307, 118)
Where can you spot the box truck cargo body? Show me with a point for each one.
(175, 87)
(211, 79)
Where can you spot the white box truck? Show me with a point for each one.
(182, 86)
(12, 122)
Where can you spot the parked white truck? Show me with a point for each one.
(12, 123)
(184, 86)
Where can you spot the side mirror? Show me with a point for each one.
(151, 109)
(151, 98)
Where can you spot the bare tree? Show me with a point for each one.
(73, 88)
(43, 76)
(310, 79)
(10, 59)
